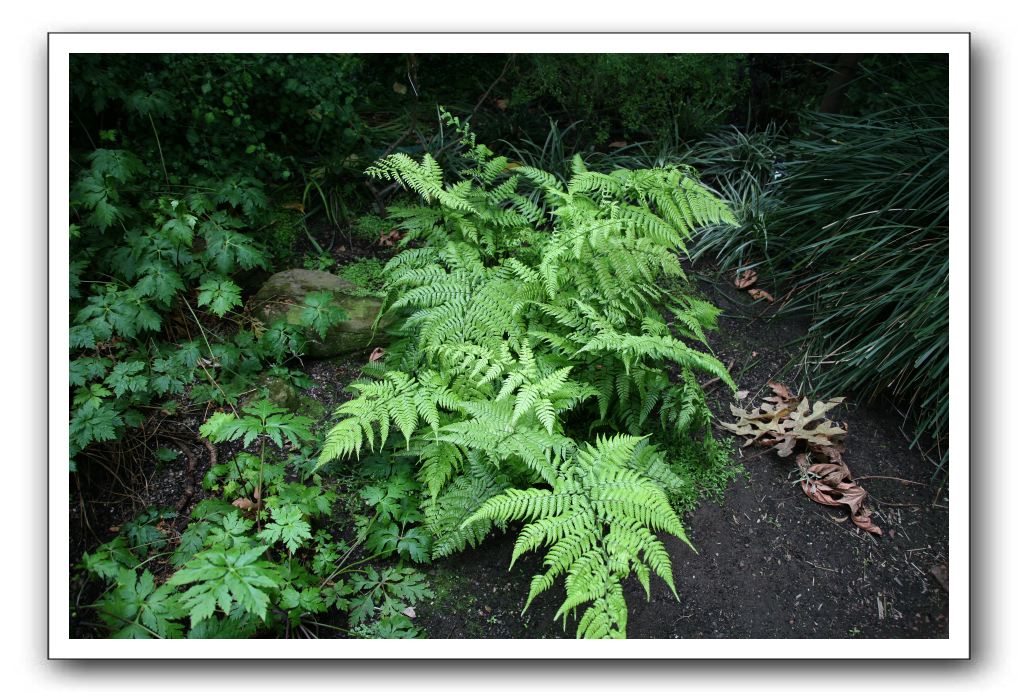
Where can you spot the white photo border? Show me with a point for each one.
(956, 45)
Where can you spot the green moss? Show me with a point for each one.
(281, 235)
(707, 467)
(367, 275)
(450, 592)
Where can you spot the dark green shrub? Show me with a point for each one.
(640, 95)
(171, 156)
(235, 124)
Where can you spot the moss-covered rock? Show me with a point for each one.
(282, 296)
(277, 391)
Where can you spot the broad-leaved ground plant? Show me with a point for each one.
(155, 307)
(260, 556)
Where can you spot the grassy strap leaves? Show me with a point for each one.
(851, 218)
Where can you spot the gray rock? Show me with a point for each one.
(282, 297)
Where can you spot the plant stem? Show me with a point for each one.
(160, 148)
(258, 489)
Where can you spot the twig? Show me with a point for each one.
(492, 85)
(211, 355)
(889, 478)
(192, 464)
(714, 380)
(826, 569)
(160, 148)
(892, 504)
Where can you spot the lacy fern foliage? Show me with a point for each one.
(532, 358)
(598, 520)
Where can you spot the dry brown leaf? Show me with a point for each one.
(410, 612)
(389, 239)
(243, 503)
(399, 88)
(786, 422)
(831, 484)
(742, 394)
(376, 355)
(781, 390)
(863, 521)
(502, 104)
(782, 422)
(745, 279)
(296, 206)
(618, 144)
(758, 293)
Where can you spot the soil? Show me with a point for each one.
(770, 563)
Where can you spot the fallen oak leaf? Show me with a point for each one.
(786, 445)
(758, 293)
(745, 279)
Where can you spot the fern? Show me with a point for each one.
(598, 521)
(520, 332)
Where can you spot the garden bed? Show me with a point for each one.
(770, 562)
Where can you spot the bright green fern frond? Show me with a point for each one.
(546, 181)
(599, 519)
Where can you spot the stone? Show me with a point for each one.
(277, 391)
(282, 297)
